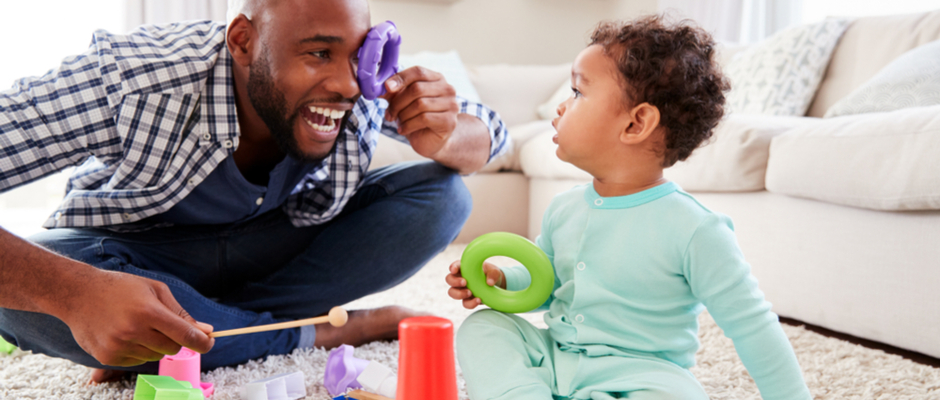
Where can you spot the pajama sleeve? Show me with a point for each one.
(720, 277)
(518, 278)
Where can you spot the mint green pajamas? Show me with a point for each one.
(632, 273)
(541, 370)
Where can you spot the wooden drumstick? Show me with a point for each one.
(336, 317)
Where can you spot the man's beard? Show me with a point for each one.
(271, 106)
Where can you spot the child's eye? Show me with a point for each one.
(576, 92)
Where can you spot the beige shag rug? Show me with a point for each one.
(834, 369)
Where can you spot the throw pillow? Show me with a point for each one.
(448, 64)
(549, 109)
(911, 80)
(880, 161)
(780, 75)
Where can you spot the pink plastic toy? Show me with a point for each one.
(185, 366)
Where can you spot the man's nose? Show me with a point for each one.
(343, 81)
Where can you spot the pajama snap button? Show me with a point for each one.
(259, 201)
(228, 144)
(598, 202)
(206, 136)
(126, 216)
(581, 266)
(58, 215)
(192, 181)
(579, 318)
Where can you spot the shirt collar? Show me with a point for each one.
(632, 200)
(221, 113)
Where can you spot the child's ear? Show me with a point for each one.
(644, 119)
(240, 38)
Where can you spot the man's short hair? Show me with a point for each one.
(672, 67)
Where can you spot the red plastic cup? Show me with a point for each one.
(426, 369)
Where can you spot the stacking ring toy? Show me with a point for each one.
(378, 59)
(515, 247)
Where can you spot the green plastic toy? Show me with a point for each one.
(156, 387)
(515, 247)
(5, 347)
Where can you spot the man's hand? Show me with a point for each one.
(125, 320)
(458, 285)
(425, 106)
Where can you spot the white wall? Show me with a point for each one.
(503, 31)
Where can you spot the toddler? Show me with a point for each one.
(636, 258)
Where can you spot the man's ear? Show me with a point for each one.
(644, 119)
(240, 38)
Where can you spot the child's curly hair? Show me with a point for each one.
(671, 68)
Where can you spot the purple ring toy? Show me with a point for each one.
(378, 59)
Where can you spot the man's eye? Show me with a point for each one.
(320, 54)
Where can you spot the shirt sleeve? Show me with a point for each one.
(518, 277)
(720, 277)
(499, 139)
(57, 120)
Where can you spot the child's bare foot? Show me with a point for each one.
(99, 375)
(365, 326)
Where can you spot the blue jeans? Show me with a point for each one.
(266, 270)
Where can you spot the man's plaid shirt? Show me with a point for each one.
(148, 115)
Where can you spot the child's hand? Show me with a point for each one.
(458, 285)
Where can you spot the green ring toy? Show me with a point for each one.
(515, 247)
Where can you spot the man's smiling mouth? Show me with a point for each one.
(323, 119)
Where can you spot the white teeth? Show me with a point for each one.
(321, 128)
(329, 113)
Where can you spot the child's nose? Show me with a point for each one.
(561, 109)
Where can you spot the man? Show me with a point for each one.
(222, 178)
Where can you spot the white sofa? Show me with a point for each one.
(839, 217)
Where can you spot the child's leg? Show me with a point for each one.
(503, 356)
(616, 377)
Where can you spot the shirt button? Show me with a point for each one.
(206, 136)
(581, 266)
(58, 215)
(598, 202)
(259, 201)
(192, 181)
(126, 216)
(227, 144)
(579, 318)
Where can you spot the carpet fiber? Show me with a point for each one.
(834, 369)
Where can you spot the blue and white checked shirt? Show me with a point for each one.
(148, 115)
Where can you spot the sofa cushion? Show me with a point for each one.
(515, 91)
(779, 76)
(538, 160)
(881, 161)
(867, 46)
(447, 64)
(911, 80)
(735, 158)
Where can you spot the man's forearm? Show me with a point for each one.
(35, 279)
(468, 148)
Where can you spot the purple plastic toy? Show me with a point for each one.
(341, 370)
(378, 59)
